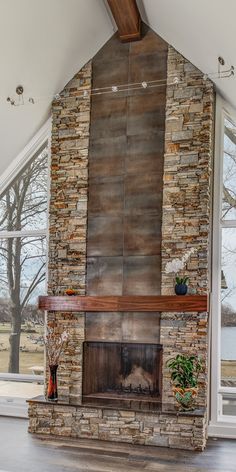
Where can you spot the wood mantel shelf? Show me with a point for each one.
(167, 303)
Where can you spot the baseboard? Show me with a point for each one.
(16, 407)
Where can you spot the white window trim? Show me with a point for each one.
(20, 234)
(25, 155)
(18, 164)
(219, 425)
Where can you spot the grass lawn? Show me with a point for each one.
(27, 360)
(31, 354)
(228, 371)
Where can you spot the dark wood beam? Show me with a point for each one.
(127, 18)
(167, 303)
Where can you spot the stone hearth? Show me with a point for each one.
(157, 427)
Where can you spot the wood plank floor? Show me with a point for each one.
(21, 452)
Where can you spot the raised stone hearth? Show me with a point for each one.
(130, 191)
(160, 426)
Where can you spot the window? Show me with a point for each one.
(228, 258)
(23, 232)
(223, 379)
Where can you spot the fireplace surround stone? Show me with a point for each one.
(186, 201)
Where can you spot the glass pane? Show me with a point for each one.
(22, 279)
(228, 308)
(229, 172)
(229, 404)
(23, 206)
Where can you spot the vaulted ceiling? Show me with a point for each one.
(44, 43)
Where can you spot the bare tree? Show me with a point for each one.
(228, 212)
(229, 178)
(22, 267)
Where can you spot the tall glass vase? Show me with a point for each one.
(52, 383)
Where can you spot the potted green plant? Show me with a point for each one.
(185, 371)
(181, 286)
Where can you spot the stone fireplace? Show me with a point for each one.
(130, 191)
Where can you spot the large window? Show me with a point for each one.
(23, 230)
(228, 272)
(223, 380)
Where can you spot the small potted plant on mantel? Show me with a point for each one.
(181, 285)
(184, 375)
(176, 265)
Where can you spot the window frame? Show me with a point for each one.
(220, 425)
(41, 139)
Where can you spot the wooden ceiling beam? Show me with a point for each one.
(127, 18)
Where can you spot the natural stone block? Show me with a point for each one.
(157, 440)
(182, 135)
(189, 159)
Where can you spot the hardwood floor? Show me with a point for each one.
(21, 452)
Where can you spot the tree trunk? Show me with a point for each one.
(14, 341)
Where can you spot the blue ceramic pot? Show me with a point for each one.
(181, 289)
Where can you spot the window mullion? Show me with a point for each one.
(228, 223)
(22, 234)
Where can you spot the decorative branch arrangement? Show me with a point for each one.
(54, 343)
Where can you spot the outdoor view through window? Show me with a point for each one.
(23, 224)
(228, 257)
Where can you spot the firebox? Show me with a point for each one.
(116, 371)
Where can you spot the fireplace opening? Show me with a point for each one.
(122, 371)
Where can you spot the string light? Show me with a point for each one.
(176, 80)
(87, 93)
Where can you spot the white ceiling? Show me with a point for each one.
(202, 30)
(43, 43)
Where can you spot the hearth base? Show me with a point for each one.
(164, 427)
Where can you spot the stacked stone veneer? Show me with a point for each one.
(170, 430)
(68, 220)
(186, 220)
(69, 185)
(189, 142)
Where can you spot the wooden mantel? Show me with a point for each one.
(167, 303)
